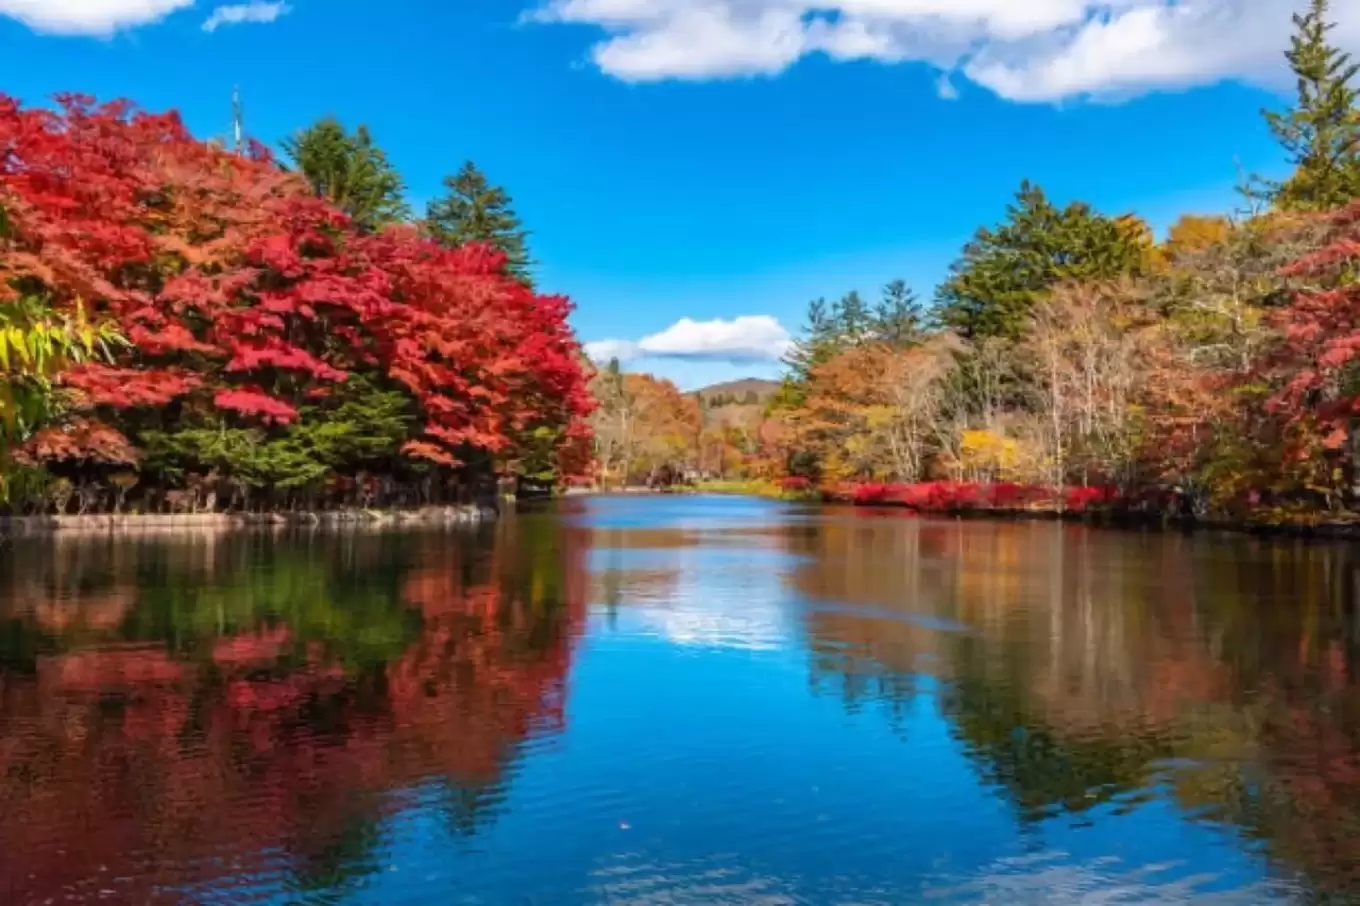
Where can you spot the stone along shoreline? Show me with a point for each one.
(467, 514)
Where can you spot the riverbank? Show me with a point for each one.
(151, 523)
(757, 487)
(1097, 506)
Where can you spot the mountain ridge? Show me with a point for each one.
(738, 390)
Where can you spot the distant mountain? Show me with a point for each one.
(747, 391)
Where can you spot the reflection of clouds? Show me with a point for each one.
(756, 628)
(635, 880)
(702, 598)
(1050, 879)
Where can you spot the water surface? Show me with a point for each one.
(680, 701)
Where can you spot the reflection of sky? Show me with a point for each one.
(685, 780)
(729, 598)
(699, 765)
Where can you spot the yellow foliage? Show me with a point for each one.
(986, 450)
(988, 454)
(1194, 233)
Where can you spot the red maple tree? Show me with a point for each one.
(244, 295)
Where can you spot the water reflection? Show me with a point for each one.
(680, 701)
(175, 712)
(1102, 671)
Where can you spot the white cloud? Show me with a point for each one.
(1023, 50)
(88, 17)
(749, 338)
(237, 14)
(604, 350)
(945, 88)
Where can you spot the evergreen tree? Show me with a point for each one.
(473, 210)
(1003, 271)
(1321, 134)
(820, 341)
(350, 171)
(852, 318)
(897, 317)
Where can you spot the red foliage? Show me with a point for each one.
(240, 290)
(252, 401)
(955, 496)
(262, 647)
(79, 440)
(196, 763)
(1321, 342)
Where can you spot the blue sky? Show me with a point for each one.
(715, 159)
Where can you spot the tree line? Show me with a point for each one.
(1071, 347)
(187, 328)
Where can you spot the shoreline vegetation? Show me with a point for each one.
(189, 331)
(1208, 376)
(1096, 507)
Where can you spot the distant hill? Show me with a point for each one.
(745, 392)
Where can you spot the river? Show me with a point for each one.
(680, 700)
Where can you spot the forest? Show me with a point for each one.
(1071, 358)
(190, 327)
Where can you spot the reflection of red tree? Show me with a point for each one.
(263, 647)
(126, 771)
(1310, 794)
(104, 612)
(110, 668)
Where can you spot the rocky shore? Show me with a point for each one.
(467, 514)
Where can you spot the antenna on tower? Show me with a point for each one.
(238, 128)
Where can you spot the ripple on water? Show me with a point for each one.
(682, 701)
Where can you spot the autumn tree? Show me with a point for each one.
(645, 429)
(350, 171)
(1321, 132)
(37, 345)
(1221, 278)
(831, 328)
(1005, 270)
(270, 339)
(1089, 343)
(613, 420)
(1315, 372)
(473, 210)
(874, 411)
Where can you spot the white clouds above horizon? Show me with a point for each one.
(1022, 50)
(242, 13)
(748, 338)
(103, 18)
(99, 18)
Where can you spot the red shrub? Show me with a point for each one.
(956, 496)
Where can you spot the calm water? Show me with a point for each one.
(680, 701)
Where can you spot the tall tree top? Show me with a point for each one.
(1321, 133)
(1004, 270)
(350, 171)
(473, 210)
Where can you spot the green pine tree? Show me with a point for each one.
(852, 317)
(349, 171)
(993, 287)
(820, 341)
(1321, 134)
(897, 317)
(473, 210)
